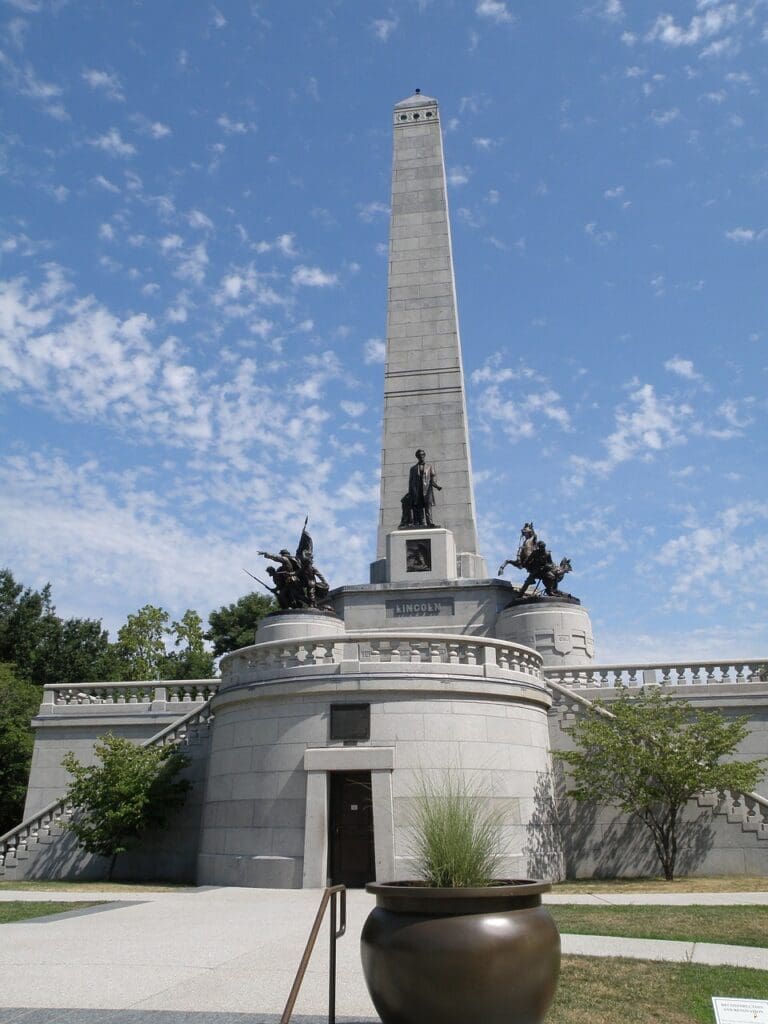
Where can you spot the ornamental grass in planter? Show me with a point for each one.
(459, 943)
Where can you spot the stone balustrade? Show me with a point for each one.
(51, 819)
(669, 673)
(372, 652)
(157, 693)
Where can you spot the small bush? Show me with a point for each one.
(456, 834)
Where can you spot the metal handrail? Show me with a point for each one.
(329, 896)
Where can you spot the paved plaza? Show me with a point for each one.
(228, 956)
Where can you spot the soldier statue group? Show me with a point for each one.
(298, 583)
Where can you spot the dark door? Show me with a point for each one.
(351, 829)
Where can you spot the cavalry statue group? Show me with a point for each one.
(534, 557)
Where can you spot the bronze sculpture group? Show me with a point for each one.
(298, 583)
(534, 557)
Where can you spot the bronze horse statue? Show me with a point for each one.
(534, 557)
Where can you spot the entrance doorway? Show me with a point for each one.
(350, 821)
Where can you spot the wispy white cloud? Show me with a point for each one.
(602, 236)
(458, 176)
(496, 11)
(714, 19)
(717, 557)
(200, 220)
(664, 117)
(743, 235)
(25, 81)
(383, 28)
(369, 212)
(106, 82)
(374, 351)
(682, 368)
(285, 244)
(313, 277)
(231, 126)
(648, 425)
(112, 142)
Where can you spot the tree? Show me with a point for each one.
(234, 625)
(652, 756)
(78, 651)
(45, 648)
(133, 790)
(140, 643)
(192, 661)
(19, 701)
(27, 622)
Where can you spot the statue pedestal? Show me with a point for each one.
(421, 555)
(560, 630)
(297, 623)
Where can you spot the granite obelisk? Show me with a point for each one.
(424, 401)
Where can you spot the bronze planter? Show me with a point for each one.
(453, 956)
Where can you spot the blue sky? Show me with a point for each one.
(193, 266)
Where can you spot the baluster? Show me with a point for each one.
(375, 648)
(502, 657)
(740, 678)
(436, 651)
(665, 676)
(471, 654)
(453, 648)
(416, 649)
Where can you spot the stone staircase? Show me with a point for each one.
(48, 824)
(748, 810)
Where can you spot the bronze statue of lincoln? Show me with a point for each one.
(422, 484)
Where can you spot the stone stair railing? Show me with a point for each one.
(432, 652)
(47, 823)
(749, 810)
(158, 693)
(662, 673)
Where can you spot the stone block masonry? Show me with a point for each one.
(424, 403)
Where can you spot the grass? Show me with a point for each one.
(594, 990)
(51, 886)
(455, 833)
(21, 911)
(728, 883)
(738, 926)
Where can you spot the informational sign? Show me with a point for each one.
(740, 1011)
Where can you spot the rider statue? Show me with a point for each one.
(534, 557)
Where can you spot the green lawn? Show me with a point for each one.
(18, 910)
(100, 886)
(739, 926)
(594, 990)
(727, 883)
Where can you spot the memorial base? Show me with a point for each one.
(421, 555)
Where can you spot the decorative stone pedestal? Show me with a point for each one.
(421, 555)
(297, 623)
(560, 630)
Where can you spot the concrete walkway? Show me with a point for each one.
(228, 956)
